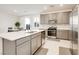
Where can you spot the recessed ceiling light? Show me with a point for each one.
(15, 10)
(51, 5)
(45, 8)
(61, 5)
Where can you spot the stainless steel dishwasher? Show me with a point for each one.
(43, 37)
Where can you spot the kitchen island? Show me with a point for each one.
(21, 43)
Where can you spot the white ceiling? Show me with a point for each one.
(22, 9)
(58, 8)
(25, 9)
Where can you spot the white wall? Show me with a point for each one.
(6, 21)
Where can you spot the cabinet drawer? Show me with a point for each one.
(35, 35)
(24, 49)
(22, 40)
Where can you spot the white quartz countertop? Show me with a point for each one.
(17, 35)
(64, 27)
(44, 27)
(58, 26)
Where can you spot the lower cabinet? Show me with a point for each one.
(67, 34)
(24, 49)
(34, 45)
(8, 47)
(36, 42)
(18, 47)
(0, 52)
(0, 46)
(71, 34)
(63, 34)
(24, 46)
(39, 41)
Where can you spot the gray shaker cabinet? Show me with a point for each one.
(36, 42)
(34, 45)
(0, 46)
(18, 47)
(24, 49)
(39, 41)
(62, 34)
(63, 18)
(44, 19)
(9, 47)
(23, 46)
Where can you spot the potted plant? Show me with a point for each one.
(17, 24)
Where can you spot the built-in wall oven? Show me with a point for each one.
(52, 32)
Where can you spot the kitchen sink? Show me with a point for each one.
(30, 31)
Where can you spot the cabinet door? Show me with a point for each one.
(63, 18)
(24, 49)
(62, 34)
(0, 43)
(39, 42)
(34, 45)
(70, 35)
(0, 46)
(42, 19)
(66, 18)
(52, 16)
(46, 18)
(36, 42)
(59, 18)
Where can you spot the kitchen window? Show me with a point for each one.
(27, 20)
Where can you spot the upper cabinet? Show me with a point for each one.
(52, 16)
(44, 19)
(63, 18)
(47, 18)
(55, 18)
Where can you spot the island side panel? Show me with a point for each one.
(8, 47)
(23, 46)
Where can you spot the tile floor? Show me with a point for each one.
(52, 45)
